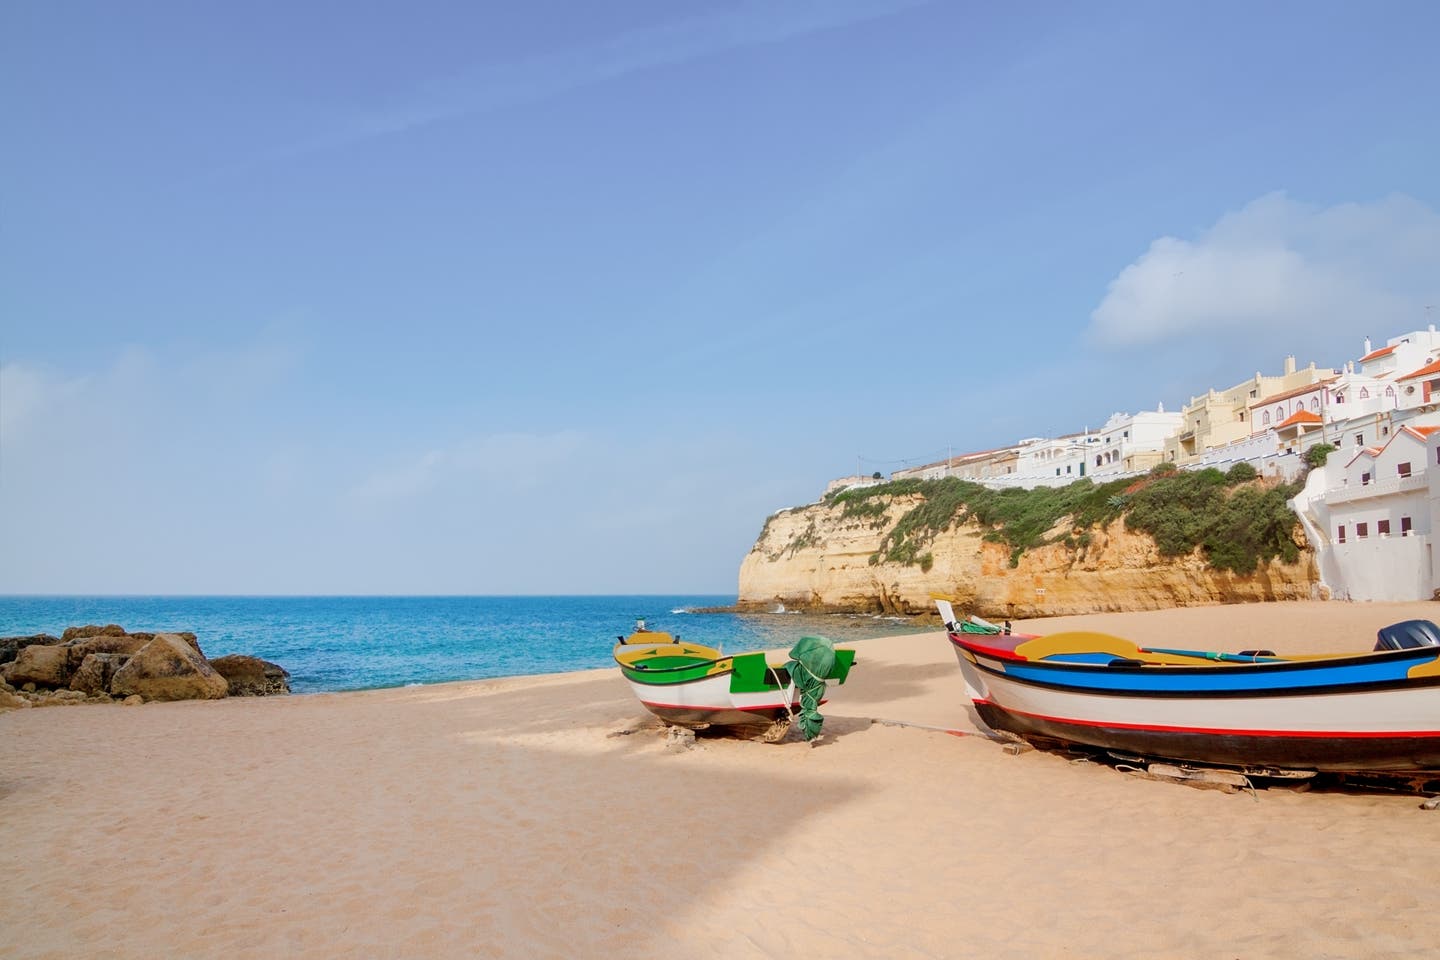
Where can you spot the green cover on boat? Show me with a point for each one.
(811, 661)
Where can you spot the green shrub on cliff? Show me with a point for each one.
(1236, 528)
(1318, 454)
(1241, 472)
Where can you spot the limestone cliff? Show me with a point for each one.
(812, 558)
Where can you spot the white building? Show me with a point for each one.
(1132, 443)
(1371, 518)
(1402, 354)
(1053, 462)
(1419, 388)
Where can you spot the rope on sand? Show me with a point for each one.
(927, 726)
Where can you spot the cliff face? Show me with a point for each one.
(809, 558)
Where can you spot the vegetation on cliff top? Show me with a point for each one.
(1237, 523)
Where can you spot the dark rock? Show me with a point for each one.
(40, 664)
(95, 672)
(251, 676)
(168, 668)
(126, 644)
(91, 630)
(10, 646)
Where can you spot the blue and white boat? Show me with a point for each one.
(1352, 712)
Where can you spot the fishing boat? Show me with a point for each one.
(691, 685)
(1349, 712)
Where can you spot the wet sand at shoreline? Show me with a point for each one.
(544, 816)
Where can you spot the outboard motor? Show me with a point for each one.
(1407, 635)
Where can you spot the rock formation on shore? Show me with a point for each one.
(815, 558)
(95, 664)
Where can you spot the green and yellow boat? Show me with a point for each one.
(691, 685)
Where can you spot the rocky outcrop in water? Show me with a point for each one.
(103, 664)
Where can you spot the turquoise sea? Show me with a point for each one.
(355, 643)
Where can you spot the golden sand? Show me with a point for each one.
(508, 818)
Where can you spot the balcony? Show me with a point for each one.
(1377, 488)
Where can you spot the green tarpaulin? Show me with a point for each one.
(811, 660)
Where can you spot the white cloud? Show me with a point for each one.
(1280, 268)
(146, 475)
(489, 87)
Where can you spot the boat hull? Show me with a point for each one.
(695, 687)
(1361, 714)
(701, 704)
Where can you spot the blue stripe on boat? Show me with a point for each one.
(1259, 679)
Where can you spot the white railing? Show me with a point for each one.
(1376, 488)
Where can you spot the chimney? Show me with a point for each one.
(1367, 348)
(1289, 365)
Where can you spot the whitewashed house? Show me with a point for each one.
(1371, 518)
(1053, 462)
(1407, 352)
(1419, 388)
(1132, 443)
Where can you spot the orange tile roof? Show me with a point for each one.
(1373, 354)
(1424, 371)
(1299, 417)
(1371, 452)
(1422, 432)
(1296, 392)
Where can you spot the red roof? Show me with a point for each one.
(1422, 432)
(1377, 353)
(1299, 417)
(1425, 371)
(1296, 392)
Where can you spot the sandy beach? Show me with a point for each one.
(544, 817)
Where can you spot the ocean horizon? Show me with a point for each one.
(335, 643)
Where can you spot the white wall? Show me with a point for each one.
(1391, 568)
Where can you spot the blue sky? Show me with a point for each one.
(565, 297)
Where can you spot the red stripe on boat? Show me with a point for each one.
(778, 705)
(1002, 653)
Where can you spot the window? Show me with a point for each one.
(1403, 469)
(1314, 404)
(1364, 479)
(1362, 530)
(1127, 434)
(1364, 393)
(1404, 526)
(1266, 419)
(1389, 393)
(1279, 414)
(1339, 398)
(1340, 536)
(1382, 527)
(1359, 439)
